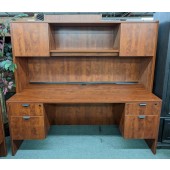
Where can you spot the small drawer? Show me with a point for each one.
(27, 127)
(143, 108)
(140, 127)
(25, 109)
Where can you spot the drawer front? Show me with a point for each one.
(27, 127)
(143, 108)
(25, 109)
(141, 126)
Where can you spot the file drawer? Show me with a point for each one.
(27, 127)
(140, 127)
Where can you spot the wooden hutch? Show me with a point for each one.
(84, 72)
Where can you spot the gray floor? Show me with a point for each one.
(64, 142)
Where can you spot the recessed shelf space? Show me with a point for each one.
(87, 39)
(88, 69)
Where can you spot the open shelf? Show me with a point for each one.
(84, 39)
(84, 52)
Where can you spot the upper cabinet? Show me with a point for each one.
(30, 39)
(40, 39)
(138, 39)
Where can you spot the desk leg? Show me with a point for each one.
(15, 144)
(152, 143)
(3, 150)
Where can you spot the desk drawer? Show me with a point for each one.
(27, 127)
(140, 127)
(143, 108)
(25, 109)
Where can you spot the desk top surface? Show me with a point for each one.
(84, 94)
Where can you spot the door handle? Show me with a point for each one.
(141, 116)
(26, 117)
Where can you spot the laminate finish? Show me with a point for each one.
(86, 69)
(30, 39)
(21, 73)
(138, 39)
(143, 108)
(84, 114)
(146, 77)
(87, 37)
(140, 128)
(84, 52)
(84, 94)
(32, 128)
(15, 144)
(25, 109)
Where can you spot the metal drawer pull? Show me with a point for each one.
(141, 116)
(25, 105)
(142, 104)
(26, 117)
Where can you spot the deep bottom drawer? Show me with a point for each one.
(140, 127)
(27, 127)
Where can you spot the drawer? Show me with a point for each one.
(25, 109)
(143, 108)
(140, 127)
(25, 127)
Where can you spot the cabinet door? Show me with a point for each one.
(138, 39)
(30, 39)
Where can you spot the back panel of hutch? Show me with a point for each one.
(84, 72)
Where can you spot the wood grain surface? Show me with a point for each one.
(30, 39)
(86, 69)
(138, 39)
(33, 128)
(84, 94)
